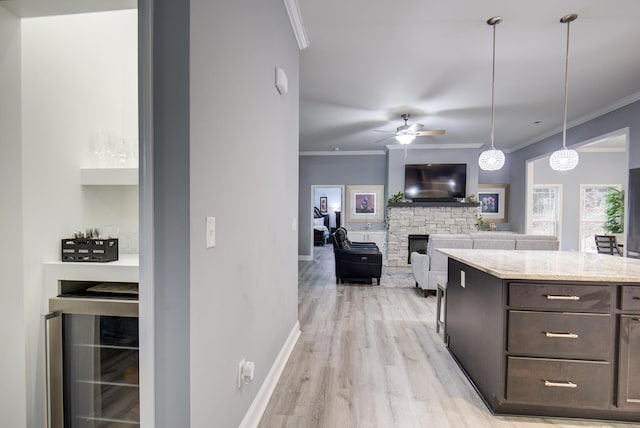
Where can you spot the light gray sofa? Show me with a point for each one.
(431, 268)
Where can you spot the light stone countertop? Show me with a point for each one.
(549, 265)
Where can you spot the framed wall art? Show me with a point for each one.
(365, 203)
(494, 202)
(323, 204)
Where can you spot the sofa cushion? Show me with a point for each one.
(525, 237)
(492, 235)
(439, 260)
(494, 244)
(537, 242)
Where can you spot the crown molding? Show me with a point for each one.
(601, 150)
(435, 146)
(293, 10)
(344, 153)
(579, 121)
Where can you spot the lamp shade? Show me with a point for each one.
(405, 138)
(564, 159)
(491, 160)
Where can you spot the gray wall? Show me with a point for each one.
(334, 170)
(395, 178)
(624, 117)
(243, 172)
(396, 163)
(13, 395)
(593, 168)
(171, 213)
(387, 170)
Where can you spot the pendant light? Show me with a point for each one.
(565, 159)
(492, 160)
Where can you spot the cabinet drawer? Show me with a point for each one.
(552, 334)
(630, 298)
(596, 298)
(558, 382)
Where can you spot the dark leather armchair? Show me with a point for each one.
(355, 260)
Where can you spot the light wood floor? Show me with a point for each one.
(369, 356)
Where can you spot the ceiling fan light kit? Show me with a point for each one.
(405, 138)
(406, 134)
(565, 159)
(492, 159)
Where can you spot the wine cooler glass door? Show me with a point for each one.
(100, 371)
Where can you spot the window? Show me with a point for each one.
(592, 213)
(545, 219)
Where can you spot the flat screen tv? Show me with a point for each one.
(435, 181)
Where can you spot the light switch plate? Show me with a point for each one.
(211, 232)
(282, 82)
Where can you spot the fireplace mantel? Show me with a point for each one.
(435, 204)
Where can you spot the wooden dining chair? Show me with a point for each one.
(607, 244)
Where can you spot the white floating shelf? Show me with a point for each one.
(109, 176)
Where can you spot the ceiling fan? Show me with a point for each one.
(406, 133)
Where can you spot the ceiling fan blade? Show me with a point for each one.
(415, 127)
(431, 132)
(385, 139)
(381, 130)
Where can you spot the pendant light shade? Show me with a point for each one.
(565, 159)
(492, 159)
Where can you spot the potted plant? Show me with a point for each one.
(397, 197)
(614, 210)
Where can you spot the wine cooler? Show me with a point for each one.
(91, 347)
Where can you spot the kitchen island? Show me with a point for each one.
(547, 333)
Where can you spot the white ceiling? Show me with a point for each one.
(370, 61)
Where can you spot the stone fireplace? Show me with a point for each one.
(425, 218)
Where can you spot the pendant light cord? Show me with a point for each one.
(566, 89)
(493, 87)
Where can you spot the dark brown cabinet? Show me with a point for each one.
(547, 348)
(629, 350)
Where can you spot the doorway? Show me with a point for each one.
(571, 204)
(326, 200)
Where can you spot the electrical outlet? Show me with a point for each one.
(246, 370)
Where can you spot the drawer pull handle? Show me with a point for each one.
(561, 335)
(636, 297)
(556, 297)
(560, 384)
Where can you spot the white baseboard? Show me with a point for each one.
(256, 410)
(305, 258)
